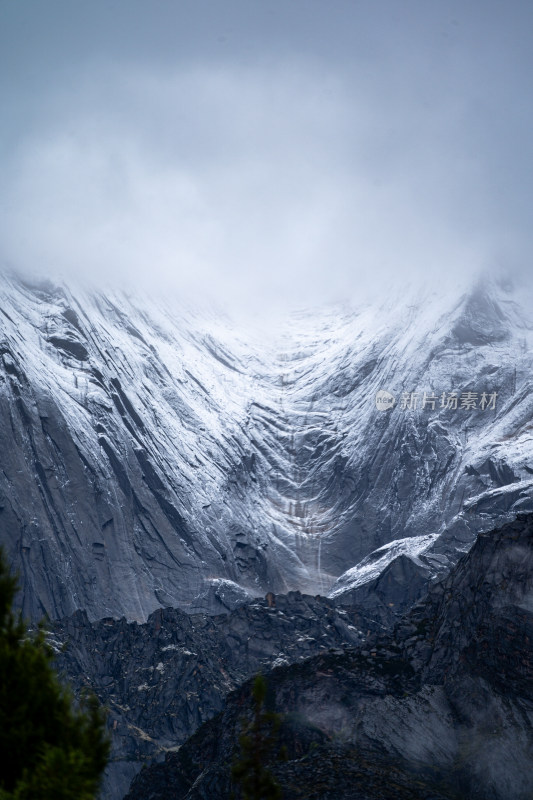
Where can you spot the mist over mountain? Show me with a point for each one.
(266, 373)
(154, 457)
(165, 468)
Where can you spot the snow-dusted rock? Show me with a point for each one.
(152, 457)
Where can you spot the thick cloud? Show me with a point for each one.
(306, 154)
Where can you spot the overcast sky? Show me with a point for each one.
(300, 149)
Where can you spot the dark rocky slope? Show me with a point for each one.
(162, 679)
(440, 708)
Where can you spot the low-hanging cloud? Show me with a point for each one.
(300, 181)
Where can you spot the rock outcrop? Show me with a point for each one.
(440, 708)
(162, 679)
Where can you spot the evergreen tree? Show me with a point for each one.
(50, 747)
(257, 740)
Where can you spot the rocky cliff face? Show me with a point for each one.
(153, 458)
(440, 708)
(162, 679)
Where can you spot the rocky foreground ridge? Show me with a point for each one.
(162, 679)
(441, 707)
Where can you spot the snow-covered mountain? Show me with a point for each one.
(152, 457)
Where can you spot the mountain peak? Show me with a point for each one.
(161, 452)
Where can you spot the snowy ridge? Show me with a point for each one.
(157, 456)
(373, 565)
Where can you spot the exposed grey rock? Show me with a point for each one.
(442, 707)
(162, 679)
(400, 585)
(150, 457)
